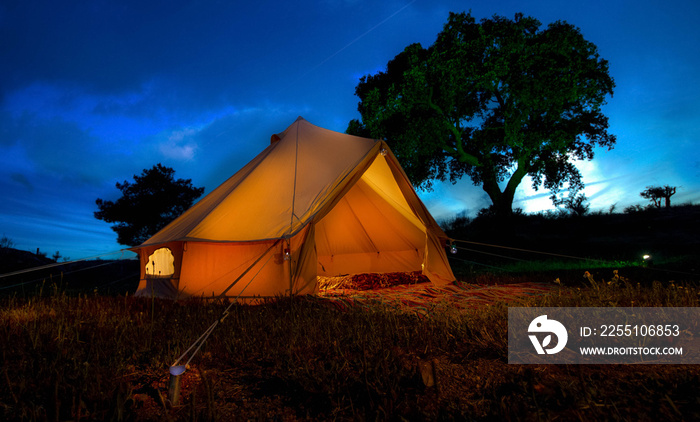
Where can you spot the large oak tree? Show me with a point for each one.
(153, 200)
(496, 101)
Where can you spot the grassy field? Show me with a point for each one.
(92, 357)
(72, 351)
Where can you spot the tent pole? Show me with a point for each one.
(291, 217)
(291, 276)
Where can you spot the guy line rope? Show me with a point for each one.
(540, 253)
(176, 369)
(58, 264)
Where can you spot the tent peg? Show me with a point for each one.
(176, 372)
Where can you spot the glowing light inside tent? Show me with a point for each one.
(160, 263)
(383, 152)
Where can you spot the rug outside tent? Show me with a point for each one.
(414, 293)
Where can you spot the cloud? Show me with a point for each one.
(447, 200)
(179, 146)
(22, 180)
(58, 149)
(601, 189)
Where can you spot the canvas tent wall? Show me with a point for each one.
(314, 202)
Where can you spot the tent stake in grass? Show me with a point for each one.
(176, 372)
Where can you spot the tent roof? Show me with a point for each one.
(301, 173)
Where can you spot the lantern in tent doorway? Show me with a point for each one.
(285, 254)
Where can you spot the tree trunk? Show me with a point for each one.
(502, 203)
(503, 200)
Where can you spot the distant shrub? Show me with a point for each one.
(458, 222)
(635, 209)
(6, 242)
(576, 205)
(491, 211)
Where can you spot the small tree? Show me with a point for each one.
(6, 242)
(577, 204)
(147, 205)
(656, 193)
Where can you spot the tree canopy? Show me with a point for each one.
(496, 101)
(147, 205)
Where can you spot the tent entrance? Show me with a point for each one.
(372, 229)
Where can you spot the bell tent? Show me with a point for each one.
(313, 203)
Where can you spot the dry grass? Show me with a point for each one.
(107, 358)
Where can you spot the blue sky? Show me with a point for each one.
(92, 92)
